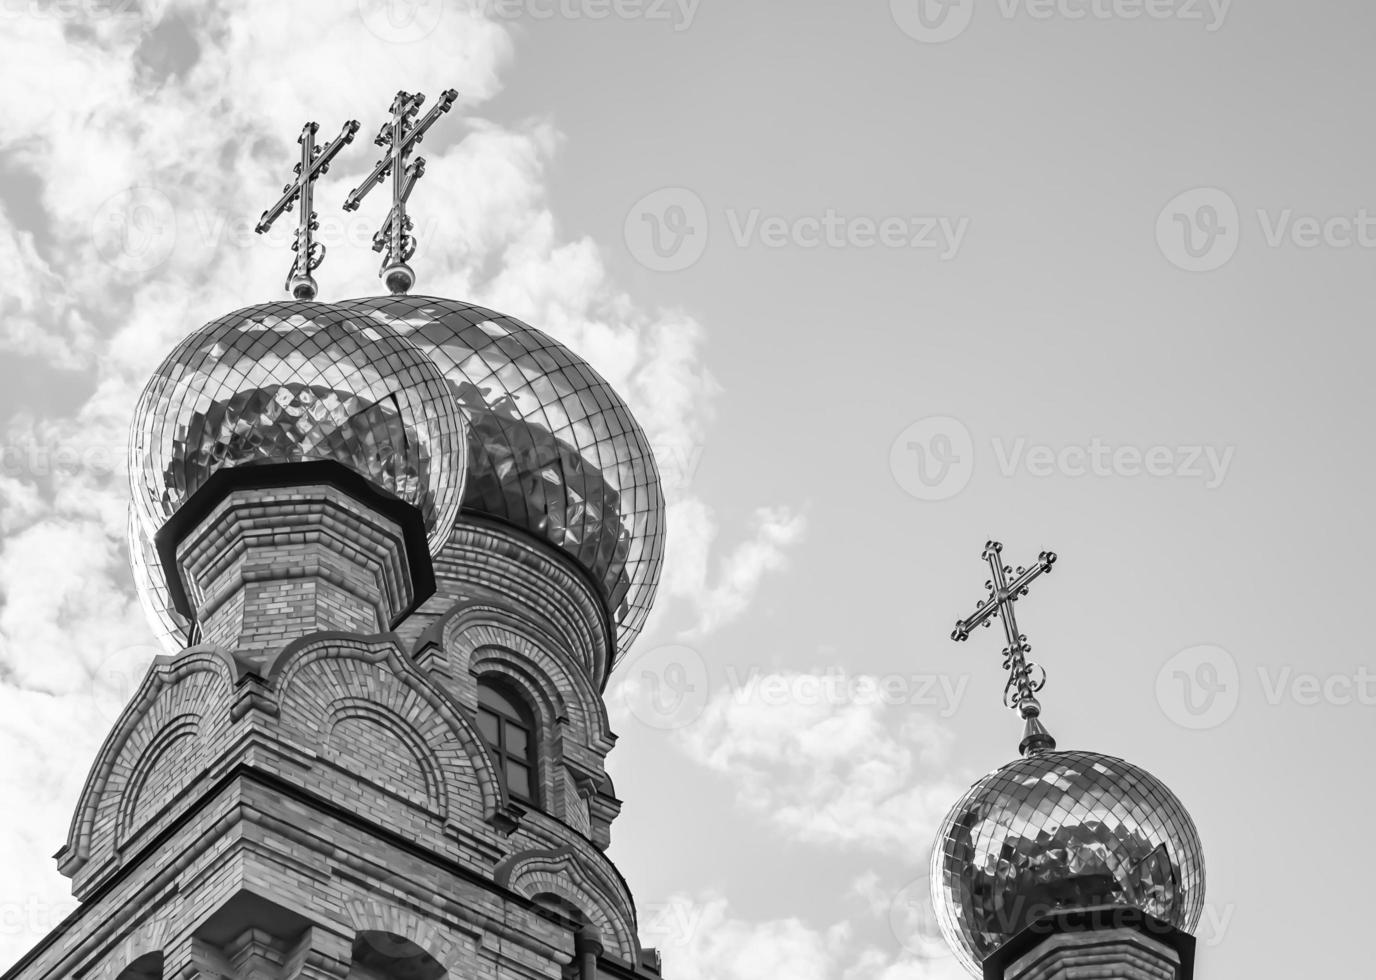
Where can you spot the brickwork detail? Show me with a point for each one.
(1108, 954)
(601, 898)
(319, 803)
(266, 566)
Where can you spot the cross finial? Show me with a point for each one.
(399, 136)
(315, 162)
(1021, 689)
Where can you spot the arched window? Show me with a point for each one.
(508, 725)
(146, 967)
(394, 957)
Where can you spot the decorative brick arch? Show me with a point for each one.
(147, 941)
(199, 683)
(560, 872)
(432, 788)
(313, 675)
(470, 632)
(377, 914)
(178, 734)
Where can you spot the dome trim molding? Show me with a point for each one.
(277, 476)
(1092, 920)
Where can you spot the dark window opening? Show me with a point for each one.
(508, 727)
(395, 957)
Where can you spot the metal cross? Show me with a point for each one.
(399, 135)
(1020, 690)
(315, 162)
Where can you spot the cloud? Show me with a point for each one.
(157, 141)
(720, 598)
(701, 939)
(821, 760)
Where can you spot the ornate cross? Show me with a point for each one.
(399, 135)
(315, 162)
(1021, 689)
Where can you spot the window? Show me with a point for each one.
(509, 728)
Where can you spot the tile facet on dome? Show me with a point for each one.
(293, 381)
(170, 628)
(552, 448)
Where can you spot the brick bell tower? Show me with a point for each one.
(394, 547)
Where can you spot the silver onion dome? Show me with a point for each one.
(1061, 830)
(294, 381)
(170, 628)
(552, 448)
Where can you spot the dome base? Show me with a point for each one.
(261, 555)
(1107, 940)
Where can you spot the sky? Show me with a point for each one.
(882, 280)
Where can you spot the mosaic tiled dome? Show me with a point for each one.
(552, 448)
(1062, 830)
(293, 381)
(170, 628)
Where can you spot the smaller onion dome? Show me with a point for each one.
(293, 381)
(1062, 830)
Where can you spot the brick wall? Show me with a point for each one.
(325, 806)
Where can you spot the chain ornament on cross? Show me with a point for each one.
(399, 136)
(315, 162)
(1020, 691)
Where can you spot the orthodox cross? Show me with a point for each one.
(315, 162)
(399, 135)
(1021, 689)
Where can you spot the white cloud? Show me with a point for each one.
(701, 939)
(147, 188)
(724, 596)
(827, 770)
(39, 736)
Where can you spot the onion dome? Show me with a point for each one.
(1062, 830)
(552, 449)
(292, 381)
(170, 628)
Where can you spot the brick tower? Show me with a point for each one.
(394, 548)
